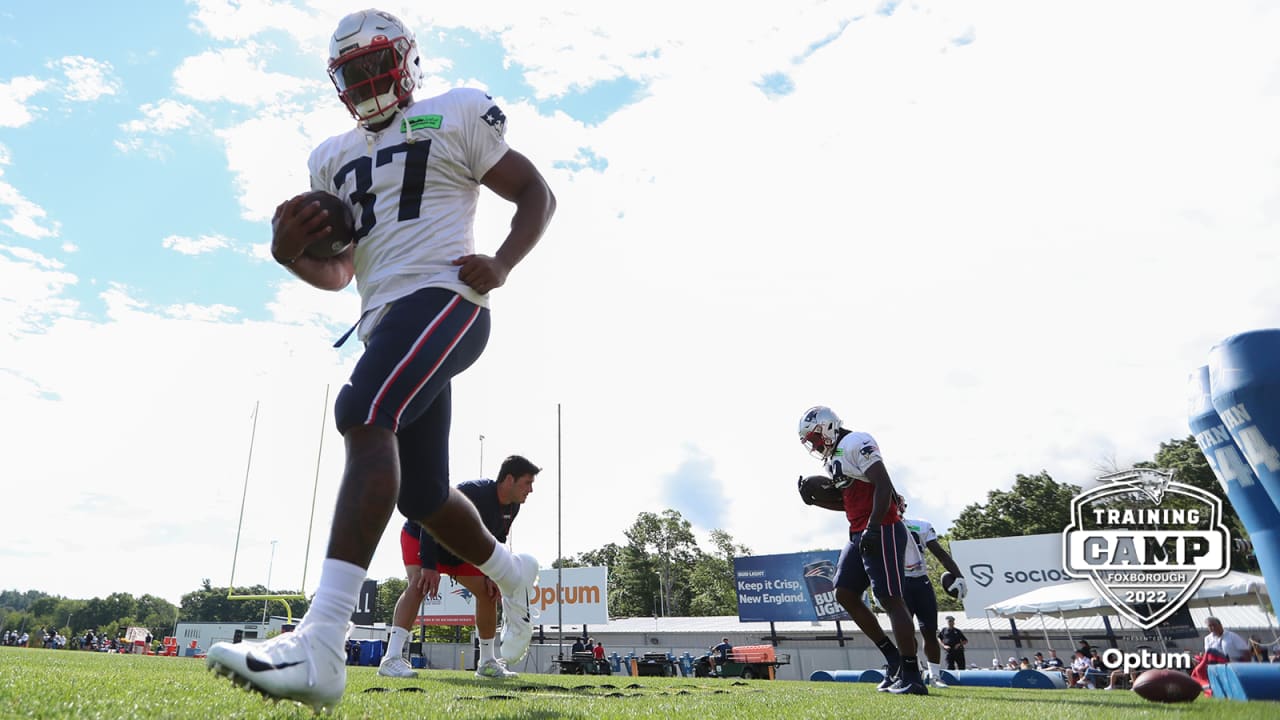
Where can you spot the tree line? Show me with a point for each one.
(660, 569)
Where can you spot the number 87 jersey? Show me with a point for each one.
(413, 188)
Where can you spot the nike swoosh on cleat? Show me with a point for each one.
(257, 665)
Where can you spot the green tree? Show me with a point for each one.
(712, 577)
(663, 545)
(388, 593)
(210, 604)
(1036, 504)
(1189, 467)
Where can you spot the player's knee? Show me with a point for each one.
(420, 502)
(346, 414)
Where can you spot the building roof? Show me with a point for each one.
(1234, 617)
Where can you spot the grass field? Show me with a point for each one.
(64, 684)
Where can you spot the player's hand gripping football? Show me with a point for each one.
(296, 224)
(482, 273)
(805, 495)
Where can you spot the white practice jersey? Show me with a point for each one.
(920, 533)
(855, 452)
(413, 189)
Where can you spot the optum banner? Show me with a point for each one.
(583, 597)
(583, 592)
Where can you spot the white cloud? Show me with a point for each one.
(87, 79)
(201, 313)
(25, 217)
(197, 245)
(236, 75)
(14, 110)
(162, 117)
(236, 21)
(32, 297)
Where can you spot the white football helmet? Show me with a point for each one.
(373, 62)
(819, 430)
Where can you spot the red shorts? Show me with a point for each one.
(409, 546)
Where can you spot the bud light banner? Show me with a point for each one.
(795, 586)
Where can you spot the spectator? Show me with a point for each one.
(577, 646)
(953, 642)
(597, 650)
(1053, 661)
(719, 655)
(1226, 642)
(1037, 661)
(1259, 649)
(995, 663)
(1078, 674)
(1011, 663)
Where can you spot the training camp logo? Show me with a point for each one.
(1146, 542)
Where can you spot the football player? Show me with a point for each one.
(875, 554)
(498, 502)
(412, 171)
(920, 598)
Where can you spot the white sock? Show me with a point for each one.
(395, 647)
(935, 670)
(487, 649)
(336, 597)
(502, 569)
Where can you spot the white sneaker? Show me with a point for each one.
(939, 683)
(289, 666)
(517, 624)
(494, 670)
(396, 666)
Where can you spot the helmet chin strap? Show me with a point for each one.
(376, 102)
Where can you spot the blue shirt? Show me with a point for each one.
(495, 516)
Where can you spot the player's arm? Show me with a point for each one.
(883, 494)
(959, 585)
(295, 225)
(513, 178)
(428, 554)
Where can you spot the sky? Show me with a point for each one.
(997, 236)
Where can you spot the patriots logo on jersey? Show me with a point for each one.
(495, 118)
(868, 450)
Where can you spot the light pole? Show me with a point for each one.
(482, 456)
(662, 593)
(270, 565)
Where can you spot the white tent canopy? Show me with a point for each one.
(1079, 598)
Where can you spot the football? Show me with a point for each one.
(1167, 686)
(948, 579)
(341, 223)
(817, 490)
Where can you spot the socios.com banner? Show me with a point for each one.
(997, 569)
(795, 586)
